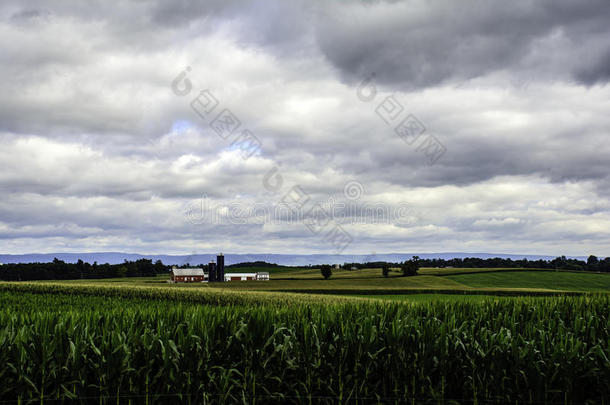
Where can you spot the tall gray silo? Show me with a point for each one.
(220, 267)
(212, 274)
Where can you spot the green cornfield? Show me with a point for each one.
(108, 345)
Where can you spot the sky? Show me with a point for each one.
(177, 127)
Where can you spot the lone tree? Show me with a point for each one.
(385, 270)
(326, 271)
(410, 267)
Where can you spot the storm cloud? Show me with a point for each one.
(417, 44)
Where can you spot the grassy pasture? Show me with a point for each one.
(530, 280)
(369, 281)
(563, 281)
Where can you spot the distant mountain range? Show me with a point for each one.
(282, 259)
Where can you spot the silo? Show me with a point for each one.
(220, 267)
(212, 272)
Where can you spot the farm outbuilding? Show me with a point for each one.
(197, 275)
(216, 272)
(190, 275)
(259, 276)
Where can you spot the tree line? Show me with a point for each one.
(593, 263)
(60, 270)
(407, 268)
(205, 267)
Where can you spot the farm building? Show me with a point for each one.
(197, 275)
(259, 276)
(190, 275)
(216, 273)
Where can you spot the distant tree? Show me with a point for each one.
(385, 270)
(326, 271)
(409, 268)
(592, 260)
(258, 263)
(159, 268)
(81, 270)
(604, 265)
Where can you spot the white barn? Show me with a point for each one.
(259, 276)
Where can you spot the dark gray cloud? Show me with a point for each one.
(417, 44)
(596, 71)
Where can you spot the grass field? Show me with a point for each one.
(563, 281)
(369, 281)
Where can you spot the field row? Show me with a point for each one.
(208, 296)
